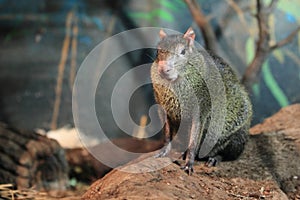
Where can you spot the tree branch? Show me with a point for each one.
(239, 12)
(206, 29)
(263, 48)
(272, 6)
(286, 40)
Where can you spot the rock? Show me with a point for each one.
(173, 183)
(269, 168)
(278, 142)
(285, 119)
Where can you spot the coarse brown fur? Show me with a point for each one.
(178, 73)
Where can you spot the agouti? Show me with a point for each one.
(179, 81)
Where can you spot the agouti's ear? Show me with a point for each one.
(162, 34)
(190, 35)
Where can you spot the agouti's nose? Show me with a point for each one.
(163, 67)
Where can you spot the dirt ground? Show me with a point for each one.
(172, 183)
(269, 168)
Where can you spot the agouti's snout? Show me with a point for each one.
(166, 71)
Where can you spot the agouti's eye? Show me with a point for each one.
(182, 52)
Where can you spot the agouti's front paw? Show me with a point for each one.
(188, 156)
(188, 168)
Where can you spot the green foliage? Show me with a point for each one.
(164, 11)
(267, 74)
(150, 16)
(273, 85)
(278, 55)
(288, 6)
(250, 50)
(168, 4)
(291, 7)
(255, 90)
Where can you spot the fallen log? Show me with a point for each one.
(28, 159)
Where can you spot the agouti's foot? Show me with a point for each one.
(188, 156)
(183, 155)
(188, 168)
(213, 161)
(164, 151)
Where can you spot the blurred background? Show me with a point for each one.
(43, 43)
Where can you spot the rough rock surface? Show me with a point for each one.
(269, 168)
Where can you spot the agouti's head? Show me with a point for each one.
(173, 52)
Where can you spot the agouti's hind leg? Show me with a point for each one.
(236, 145)
(213, 161)
(234, 148)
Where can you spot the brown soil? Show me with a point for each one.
(269, 168)
(172, 183)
